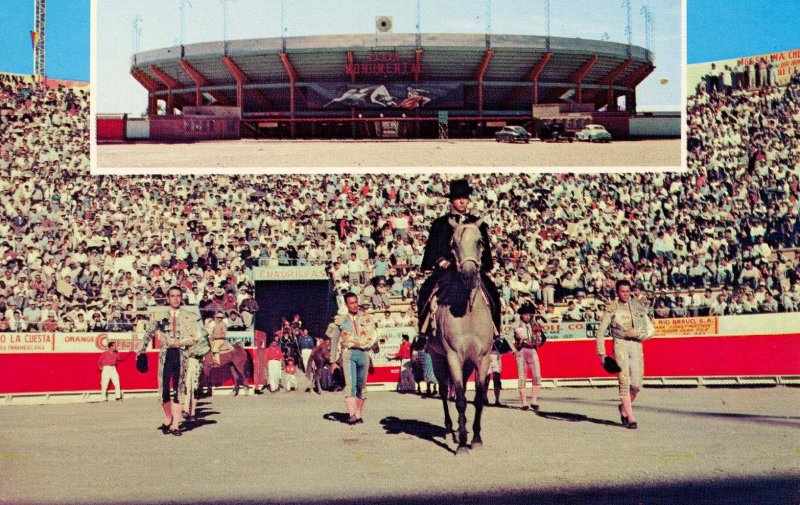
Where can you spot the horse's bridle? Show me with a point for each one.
(457, 237)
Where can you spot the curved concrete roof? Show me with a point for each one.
(444, 57)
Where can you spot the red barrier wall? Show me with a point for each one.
(617, 123)
(110, 129)
(37, 373)
(186, 128)
(756, 355)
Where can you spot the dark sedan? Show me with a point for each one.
(513, 134)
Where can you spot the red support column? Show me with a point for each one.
(172, 85)
(287, 65)
(632, 81)
(198, 78)
(417, 71)
(534, 76)
(610, 78)
(151, 86)
(241, 79)
(350, 70)
(487, 56)
(578, 76)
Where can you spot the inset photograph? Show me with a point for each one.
(224, 86)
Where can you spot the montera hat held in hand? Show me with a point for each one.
(141, 363)
(610, 365)
(459, 188)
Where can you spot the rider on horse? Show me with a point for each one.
(219, 344)
(438, 256)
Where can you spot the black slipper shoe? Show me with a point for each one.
(622, 418)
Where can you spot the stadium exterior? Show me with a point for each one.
(387, 85)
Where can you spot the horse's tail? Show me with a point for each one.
(248, 364)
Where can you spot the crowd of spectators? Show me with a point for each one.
(83, 253)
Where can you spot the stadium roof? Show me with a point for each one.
(503, 63)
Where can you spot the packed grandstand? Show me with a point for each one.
(84, 253)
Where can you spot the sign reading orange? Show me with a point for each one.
(686, 326)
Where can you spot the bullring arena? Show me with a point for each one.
(714, 250)
(706, 445)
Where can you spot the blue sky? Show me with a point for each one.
(716, 29)
(728, 29)
(68, 38)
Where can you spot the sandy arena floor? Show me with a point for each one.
(709, 446)
(347, 156)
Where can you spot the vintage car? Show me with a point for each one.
(513, 134)
(594, 133)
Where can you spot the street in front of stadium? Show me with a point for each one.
(354, 156)
(694, 445)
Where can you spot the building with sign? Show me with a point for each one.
(385, 85)
(282, 292)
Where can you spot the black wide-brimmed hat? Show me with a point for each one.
(526, 308)
(610, 365)
(459, 188)
(141, 363)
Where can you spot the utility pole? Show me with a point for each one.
(547, 24)
(649, 26)
(225, 19)
(38, 37)
(628, 31)
(182, 8)
(136, 39)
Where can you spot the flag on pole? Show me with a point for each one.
(34, 39)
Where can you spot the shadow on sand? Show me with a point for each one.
(764, 491)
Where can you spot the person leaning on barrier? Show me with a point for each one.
(629, 323)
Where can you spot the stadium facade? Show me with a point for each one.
(387, 85)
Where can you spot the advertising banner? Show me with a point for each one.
(569, 330)
(394, 95)
(12, 343)
(390, 340)
(686, 326)
(94, 342)
(788, 62)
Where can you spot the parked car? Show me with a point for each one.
(513, 134)
(594, 133)
(555, 131)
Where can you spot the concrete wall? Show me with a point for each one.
(656, 126)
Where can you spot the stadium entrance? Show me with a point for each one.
(282, 292)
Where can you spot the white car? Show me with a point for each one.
(594, 133)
